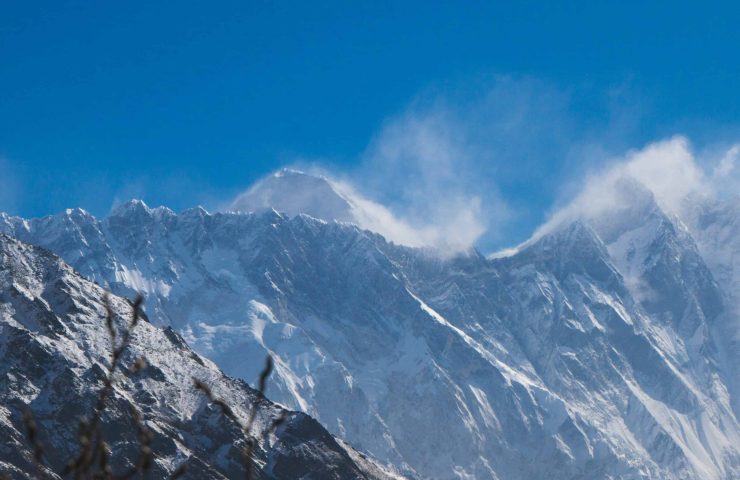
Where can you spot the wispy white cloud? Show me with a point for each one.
(428, 176)
(379, 218)
(727, 164)
(467, 166)
(726, 174)
(421, 164)
(432, 174)
(667, 168)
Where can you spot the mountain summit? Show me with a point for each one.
(295, 192)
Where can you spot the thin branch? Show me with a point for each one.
(33, 439)
(250, 444)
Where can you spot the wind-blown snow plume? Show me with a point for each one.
(421, 164)
(440, 207)
(726, 175)
(418, 166)
(464, 167)
(432, 170)
(669, 169)
(295, 192)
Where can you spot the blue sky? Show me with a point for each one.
(188, 103)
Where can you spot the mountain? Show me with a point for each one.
(595, 350)
(54, 354)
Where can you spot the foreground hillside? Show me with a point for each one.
(54, 352)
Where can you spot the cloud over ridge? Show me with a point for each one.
(669, 169)
(455, 171)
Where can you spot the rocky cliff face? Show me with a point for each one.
(54, 354)
(595, 350)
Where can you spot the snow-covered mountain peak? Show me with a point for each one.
(295, 192)
(137, 208)
(195, 212)
(556, 244)
(573, 248)
(78, 213)
(608, 209)
(631, 205)
(134, 205)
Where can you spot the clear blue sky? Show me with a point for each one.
(188, 102)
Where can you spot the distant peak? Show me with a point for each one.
(133, 203)
(295, 192)
(288, 172)
(132, 206)
(576, 232)
(197, 211)
(573, 233)
(292, 174)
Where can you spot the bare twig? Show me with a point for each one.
(33, 439)
(265, 373)
(250, 444)
(225, 409)
(145, 451)
(276, 423)
(94, 457)
(179, 471)
(105, 472)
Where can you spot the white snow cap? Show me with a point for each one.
(295, 192)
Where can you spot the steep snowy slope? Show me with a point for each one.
(54, 351)
(628, 408)
(589, 353)
(716, 226)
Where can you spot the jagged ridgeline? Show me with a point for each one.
(604, 347)
(55, 362)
